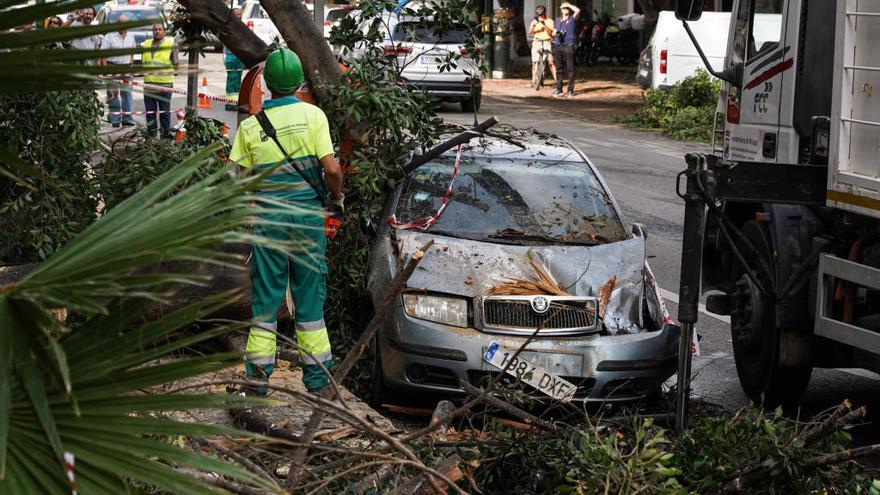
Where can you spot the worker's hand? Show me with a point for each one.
(335, 209)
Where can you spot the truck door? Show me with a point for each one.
(752, 132)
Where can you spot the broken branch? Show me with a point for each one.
(461, 138)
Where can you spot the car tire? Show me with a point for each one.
(379, 392)
(756, 338)
(473, 103)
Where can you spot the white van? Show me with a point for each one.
(671, 57)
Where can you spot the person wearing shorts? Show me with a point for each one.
(541, 29)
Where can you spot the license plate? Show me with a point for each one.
(523, 368)
(428, 59)
(643, 72)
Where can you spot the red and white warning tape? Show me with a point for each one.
(164, 89)
(145, 112)
(69, 460)
(426, 222)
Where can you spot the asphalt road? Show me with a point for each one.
(640, 169)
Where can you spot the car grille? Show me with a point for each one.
(565, 315)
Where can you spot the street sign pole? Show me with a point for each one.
(689, 287)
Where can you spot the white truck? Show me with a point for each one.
(782, 219)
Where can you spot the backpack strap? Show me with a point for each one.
(269, 129)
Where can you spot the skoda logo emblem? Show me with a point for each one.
(540, 304)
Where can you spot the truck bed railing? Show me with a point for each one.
(832, 269)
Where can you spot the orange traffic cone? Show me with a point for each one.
(224, 129)
(204, 102)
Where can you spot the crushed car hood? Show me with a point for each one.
(469, 268)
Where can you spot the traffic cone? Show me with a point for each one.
(224, 129)
(204, 102)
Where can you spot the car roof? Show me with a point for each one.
(521, 144)
(125, 6)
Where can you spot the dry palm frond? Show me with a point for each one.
(544, 285)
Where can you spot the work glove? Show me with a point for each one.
(335, 209)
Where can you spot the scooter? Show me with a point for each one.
(619, 45)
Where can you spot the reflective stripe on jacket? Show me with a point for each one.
(161, 57)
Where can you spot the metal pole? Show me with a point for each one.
(319, 15)
(689, 287)
(192, 80)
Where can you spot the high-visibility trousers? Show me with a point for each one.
(234, 69)
(306, 271)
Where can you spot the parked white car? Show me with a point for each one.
(255, 18)
(421, 54)
(334, 14)
(671, 57)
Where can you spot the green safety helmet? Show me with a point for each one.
(283, 71)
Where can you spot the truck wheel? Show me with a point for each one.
(756, 339)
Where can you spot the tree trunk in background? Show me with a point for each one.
(298, 29)
(518, 28)
(217, 17)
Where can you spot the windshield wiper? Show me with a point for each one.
(520, 235)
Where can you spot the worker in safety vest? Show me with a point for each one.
(160, 53)
(305, 168)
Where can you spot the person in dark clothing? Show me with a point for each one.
(564, 38)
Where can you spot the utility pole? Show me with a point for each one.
(319, 14)
(192, 80)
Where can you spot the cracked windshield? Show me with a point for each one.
(519, 201)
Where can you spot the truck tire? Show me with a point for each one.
(756, 338)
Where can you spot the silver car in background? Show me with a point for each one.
(510, 207)
(422, 56)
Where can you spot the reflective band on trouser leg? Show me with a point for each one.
(261, 344)
(314, 348)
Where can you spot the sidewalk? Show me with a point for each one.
(602, 92)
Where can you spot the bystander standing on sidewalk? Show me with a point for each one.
(119, 97)
(84, 17)
(234, 69)
(160, 53)
(564, 38)
(541, 29)
(54, 22)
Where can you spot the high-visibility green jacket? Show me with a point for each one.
(160, 57)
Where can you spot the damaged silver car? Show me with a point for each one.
(527, 240)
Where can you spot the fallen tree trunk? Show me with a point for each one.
(216, 16)
(418, 484)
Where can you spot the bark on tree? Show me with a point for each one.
(217, 17)
(305, 38)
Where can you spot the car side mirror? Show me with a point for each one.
(639, 230)
(688, 10)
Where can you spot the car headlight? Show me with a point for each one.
(446, 310)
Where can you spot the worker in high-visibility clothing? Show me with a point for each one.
(160, 53)
(302, 152)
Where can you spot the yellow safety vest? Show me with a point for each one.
(161, 57)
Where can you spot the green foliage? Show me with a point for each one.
(138, 159)
(685, 111)
(55, 133)
(643, 458)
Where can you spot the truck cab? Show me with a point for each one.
(785, 212)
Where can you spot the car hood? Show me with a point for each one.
(470, 268)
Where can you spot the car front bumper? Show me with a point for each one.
(424, 356)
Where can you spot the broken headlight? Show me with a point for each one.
(446, 310)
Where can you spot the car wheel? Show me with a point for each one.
(379, 392)
(756, 338)
(473, 103)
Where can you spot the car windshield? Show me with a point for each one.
(134, 14)
(519, 201)
(423, 32)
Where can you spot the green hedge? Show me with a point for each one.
(684, 111)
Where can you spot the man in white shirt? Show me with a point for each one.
(112, 41)
(84, 17)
